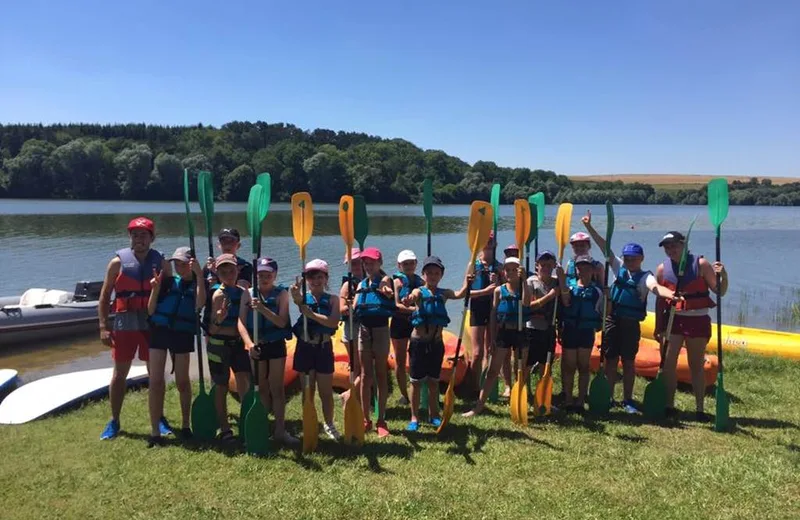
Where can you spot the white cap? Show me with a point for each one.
(406, 255)
(511, 260)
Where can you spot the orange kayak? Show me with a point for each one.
(450, 341)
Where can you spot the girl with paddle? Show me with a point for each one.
(581, 244)
(504, 326)
(487, 277)
(315, 355)
(426, 349)
(692, 323)
(405, 280)
(345, 302)
(271, 302)
(374, 305)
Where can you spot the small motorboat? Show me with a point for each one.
(42, 314)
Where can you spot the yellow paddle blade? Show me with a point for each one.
(563, 218)
(480, 225)
(523, 403)
(544, 391)
(449, 397)
(513, 402)
(310, 423)
(522, 222)
(353, 419)
(346, 225)
(302, 220)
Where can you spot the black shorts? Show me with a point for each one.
(316, 357)
(480, 309)
(540, 342)
(400, 326)
(425, 359)
(176, 341)
(573, 338)
(222, 358)
(621, 338)
(272, 350)
(511, 338)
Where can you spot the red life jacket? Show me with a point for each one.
(132, 285)
(693, 286)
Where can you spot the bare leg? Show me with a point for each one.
(184, 385)
(415, 396)
(278, 395)
(400, 347)
(670, 367)
(628, 378)
(584, 356)
(433, 398)
(382, 377)
(478, 352)
(499, 357)
(325, 386)
(264, 390)
(569, 362)
(119, 385)
(367, 376)
(156, 388)
(221, 404)
(696, 348)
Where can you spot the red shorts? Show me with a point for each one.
(692, 326)
(125, 343)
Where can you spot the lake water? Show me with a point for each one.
(54, 244)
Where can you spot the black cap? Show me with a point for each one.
(229, 233)
(433, 260)
(672, 236)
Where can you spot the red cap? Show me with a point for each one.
(142, 223)
(373, 253)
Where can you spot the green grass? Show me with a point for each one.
(563, 467)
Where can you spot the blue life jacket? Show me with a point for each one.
(482, 274)
(268, 331)
(356, 280)
(323, 306)
(625, 300)
(582, 311)
(431, 309)
(370, 303)
(508, 308)
(234, 295)
(408, 285)
(176, 308)
(571, 272)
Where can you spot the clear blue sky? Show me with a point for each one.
(580, 87)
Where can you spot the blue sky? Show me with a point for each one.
(579, 87)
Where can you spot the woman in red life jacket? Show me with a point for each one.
(128, 275)
(692, 323)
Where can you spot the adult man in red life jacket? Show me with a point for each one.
(692, 323)
(128, 274)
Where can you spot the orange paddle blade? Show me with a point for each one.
(346, 223)
(522, 222)
(563, 218)
(302, 220)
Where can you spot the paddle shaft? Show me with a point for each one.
(719, 306)
(197, 331)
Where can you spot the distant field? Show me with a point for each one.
(673, 181)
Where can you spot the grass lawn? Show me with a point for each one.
(565, 466)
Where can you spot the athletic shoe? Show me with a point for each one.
(163, 427)
(383, 430)
(111, 430)
(412, 426)
(436, 422)
(629, 406)
(331, 432)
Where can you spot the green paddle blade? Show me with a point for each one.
(537, 199)
(723, 406)
(205, 194)
(189, 222)
(360, 220)
(599, 394)
(495, 201)
(718, 202)
(248, 400)
(682, 267)
(254, 215)
(427, 203)
(256, 427)
(265, 181)
(609, 227)
(204, 417)
(654, 405)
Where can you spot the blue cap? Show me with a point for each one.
(545, 254)
(632, 250)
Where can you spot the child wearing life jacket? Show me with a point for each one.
(426, 348)
(229, 242)
(314, 354)
(581, 244)
(225, 347)
(374, 305)
(271, 303)
(346, 297)
(581, 315)
(405, 280)
(692, 324)
(487, 278)
(543, 289)
(173, 304)
(504, 325)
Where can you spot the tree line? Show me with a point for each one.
(146, 162)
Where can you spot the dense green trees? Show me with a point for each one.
(146, 162)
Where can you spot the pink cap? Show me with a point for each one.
(512, 247)
(316, 265)
(355, 254)
(580, 236)
(372, 253)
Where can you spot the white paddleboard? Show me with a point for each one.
(43, 396)
(7, 377)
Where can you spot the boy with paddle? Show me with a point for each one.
(345, 303)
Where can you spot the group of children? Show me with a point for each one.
(407, 312)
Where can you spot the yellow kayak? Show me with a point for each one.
(757, 341)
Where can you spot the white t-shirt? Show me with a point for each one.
(647, 283)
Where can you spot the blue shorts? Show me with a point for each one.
(313, 357)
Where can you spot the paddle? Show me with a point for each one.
(480, 219)
(718, 212)
(353, 413)
(519, 393)
(256, 424)
(249, 398)
(494, 393)
(205, 196)
(361, 224)
(536, 201)
(427, 208)
(204, 415)
(655, 393)
(544, 388)
(600, 389)
(302, 229)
